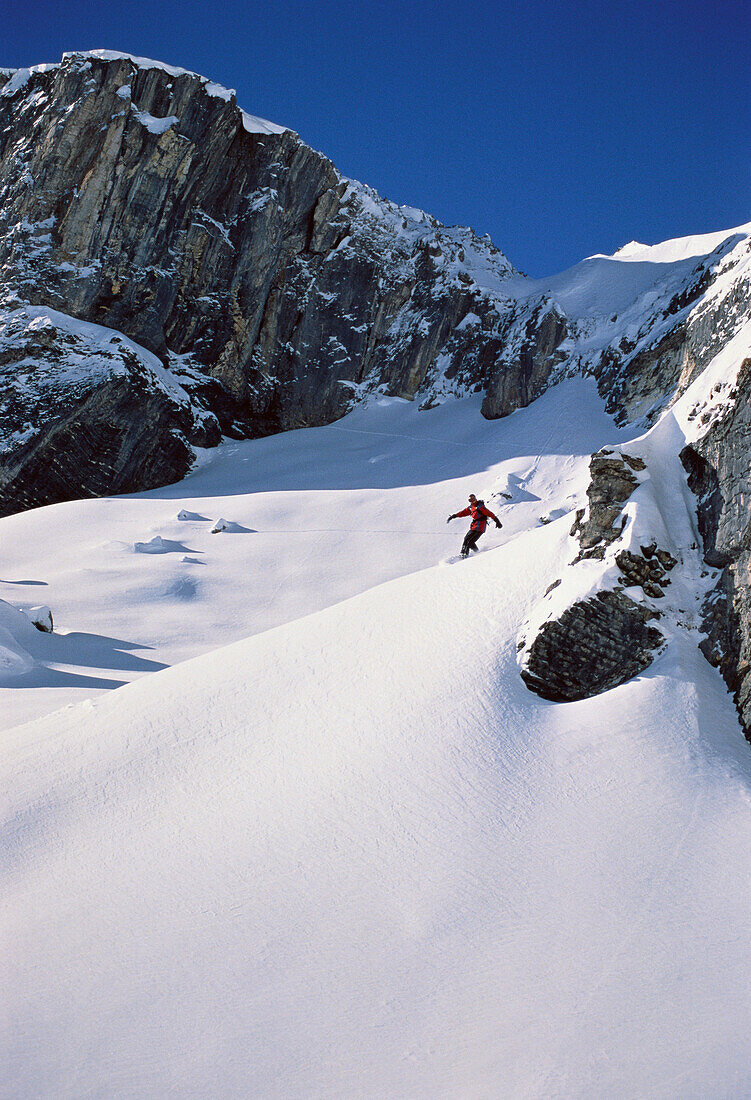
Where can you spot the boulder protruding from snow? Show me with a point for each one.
(41, 617)
(613, 480)
(156, 545)
(194, 517)
(231, 527)
(594, 645)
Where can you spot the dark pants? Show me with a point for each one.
(470, 541)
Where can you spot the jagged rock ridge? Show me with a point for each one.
(578, 646)
(602, 637)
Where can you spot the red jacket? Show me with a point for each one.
(480, 516)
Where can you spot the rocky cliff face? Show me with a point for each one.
(85, 406)
(719, 468)
(140, 197)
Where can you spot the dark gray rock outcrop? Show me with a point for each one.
(84, 406)
(612, 481)
(603, 640)
(595, 645)
(647, 570)
(141, 198)
(719, 471)
(533, 355)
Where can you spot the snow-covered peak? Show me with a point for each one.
(676, 249)
(600, 286)
(634, 277)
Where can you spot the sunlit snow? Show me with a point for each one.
(351, 854)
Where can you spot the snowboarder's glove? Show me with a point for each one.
(498, 525)
(450, 518)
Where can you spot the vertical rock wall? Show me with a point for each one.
(719, 468)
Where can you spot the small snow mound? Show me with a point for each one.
(156, 545)
(159, 545)
(153, 124)
(184, 514)
(15, 633)
(468, 321)
(231, 527)
(218, 91)
(41, 617)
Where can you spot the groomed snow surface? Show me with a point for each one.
(350, 854)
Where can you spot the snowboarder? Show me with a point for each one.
(480, 516)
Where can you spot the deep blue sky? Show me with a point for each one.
(560, 128)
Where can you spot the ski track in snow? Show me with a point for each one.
(350, 854)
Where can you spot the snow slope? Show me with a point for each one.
(355, 857)
(631, 282)
(351, 855)
(320, 515)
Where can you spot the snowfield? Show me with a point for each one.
(314, 517)
(350, 854)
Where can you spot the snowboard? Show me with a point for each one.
(458, 557)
